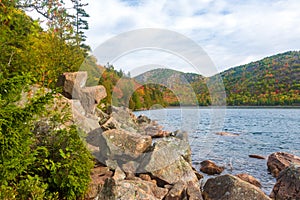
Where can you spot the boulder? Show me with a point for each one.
(98, 175)
(210, 168)
(125, 118)
(143, 119)
(228, 187)
(91, 96)
(109, 124)
(250, 179)
(288, 184)
(182, 135)
(122, 146)
(145, 177)
(155, 131)
(177, 192)
(119, 174)
(166, 152)
(199, 176)
(131, 190)
(171, 173)
(73, 85)
(193, 191)
(130, 167)
(72, 82)
(279, 161)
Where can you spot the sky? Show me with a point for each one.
(230, 32)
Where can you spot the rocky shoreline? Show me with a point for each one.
(136, 159)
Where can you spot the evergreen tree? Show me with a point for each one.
(80, 24)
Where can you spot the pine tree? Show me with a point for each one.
(80, 24)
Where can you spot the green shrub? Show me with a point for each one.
(50, 165)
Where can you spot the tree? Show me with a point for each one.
(80, 24)
(55, 13)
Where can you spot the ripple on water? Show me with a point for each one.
(262, 132)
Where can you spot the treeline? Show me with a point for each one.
(39, 163)
(125, 91)
(271, 81)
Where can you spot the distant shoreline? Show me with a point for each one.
(237, 107)
(224, 107)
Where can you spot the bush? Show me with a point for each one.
(52, 165)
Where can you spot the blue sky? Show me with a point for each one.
(231, 32)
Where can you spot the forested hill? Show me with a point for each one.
(271, 81)
(182, 86)
(274, 80)
(168, 76)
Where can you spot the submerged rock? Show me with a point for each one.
(288, 184)
(257, 156)
(228, 187)
(279, 161)
(210, 168)
(223, 133)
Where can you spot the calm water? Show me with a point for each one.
(261, 131)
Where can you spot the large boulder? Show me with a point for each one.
(99, 175)
(210, 168)
(250, 179)
(279, 161)
(173, 172)
(142, 119)
(91, 96)
(177, 192)
(166, 152)
(123, 146)
(193, 191)
(288, 184)
(72, 82)
(131, 190)
(169, 161)
(183, 190)
(73, 85)
(125, 118)
(228, 187)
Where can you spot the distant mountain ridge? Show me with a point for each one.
(274, 80)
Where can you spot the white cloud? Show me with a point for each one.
(231, 32)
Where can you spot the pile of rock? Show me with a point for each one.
(131, 164)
